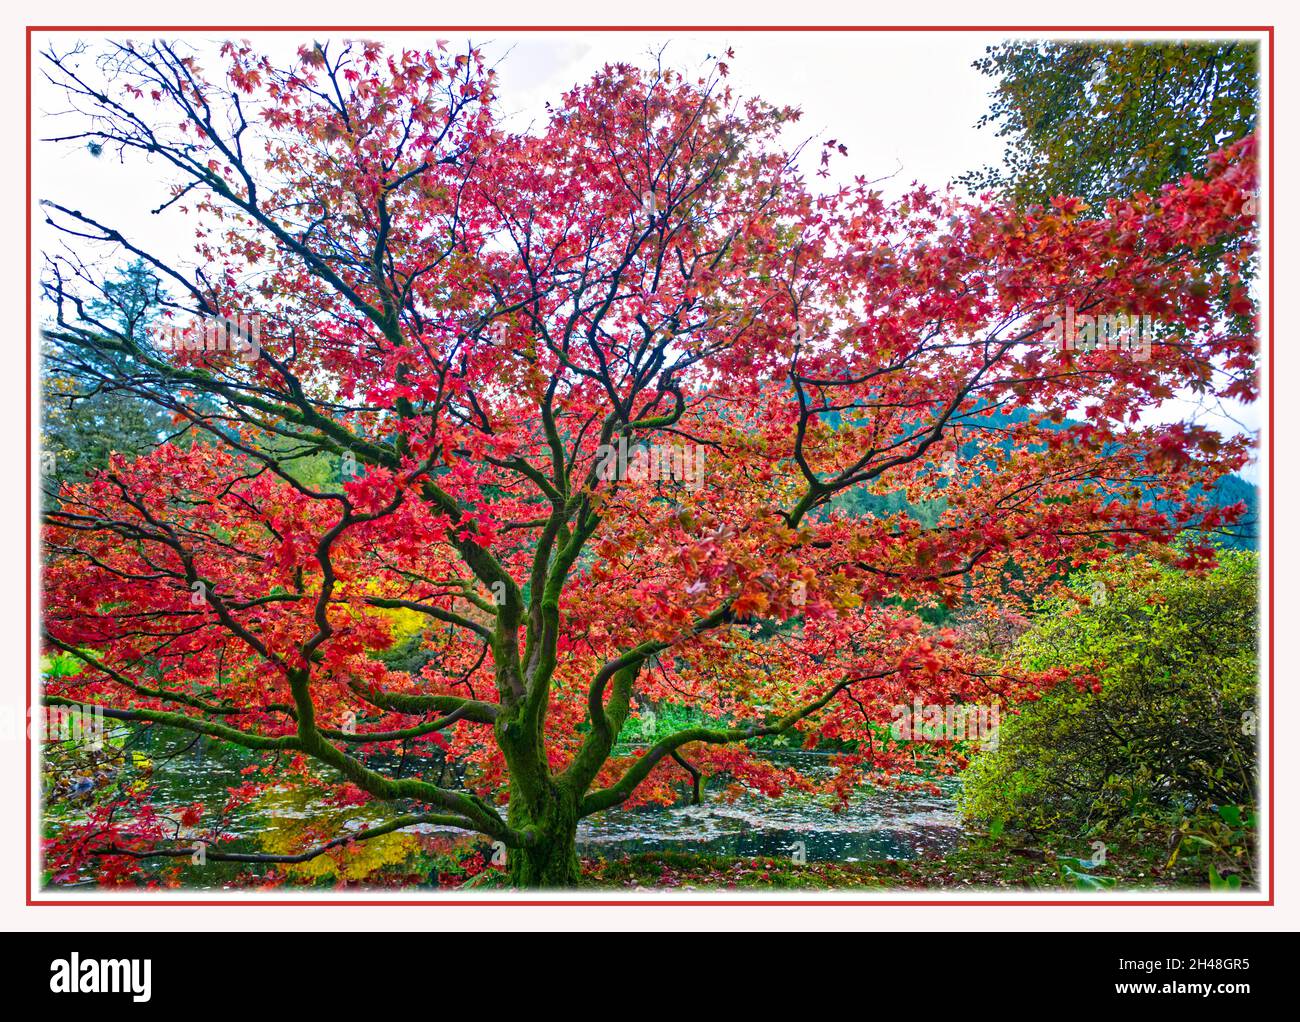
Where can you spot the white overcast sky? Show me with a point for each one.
(905, 105)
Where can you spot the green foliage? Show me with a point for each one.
(409, 653)
(861, 504)
(661, 721)
(1171, 729)
(1219, 843)
(61, 665)
(85, 418)
(1102, 119)
(1078, 873)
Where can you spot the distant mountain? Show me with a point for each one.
(1244, 535)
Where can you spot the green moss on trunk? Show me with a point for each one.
(551, 863)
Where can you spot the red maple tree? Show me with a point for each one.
(616, 404)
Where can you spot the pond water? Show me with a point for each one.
(879, 824)
(876, 824)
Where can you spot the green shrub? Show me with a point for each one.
(1173, 726)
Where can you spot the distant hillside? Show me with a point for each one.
(1229, 490)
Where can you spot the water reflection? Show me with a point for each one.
(876, 824)
(884, 824)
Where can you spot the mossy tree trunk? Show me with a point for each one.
(542, 808)
(551, 860)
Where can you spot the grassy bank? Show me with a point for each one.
(980, 863)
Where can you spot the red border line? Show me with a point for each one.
(27, 476)
(625, 902)
(659, 902)
(650, 28)
(1272, 433)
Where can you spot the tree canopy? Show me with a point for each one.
(1097, 119)
(482, 327)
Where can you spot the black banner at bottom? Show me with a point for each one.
(143, 972)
